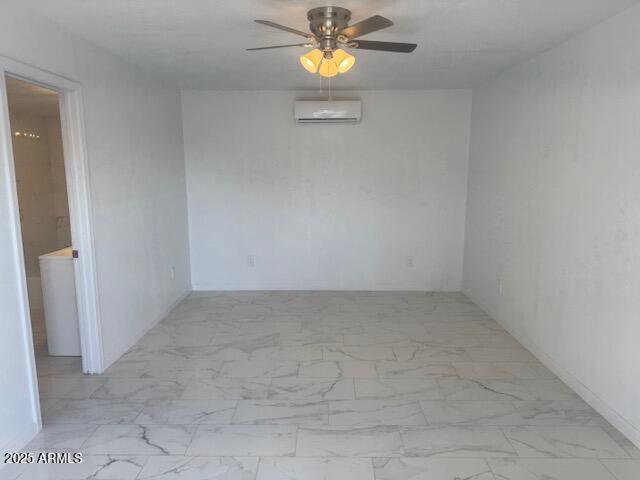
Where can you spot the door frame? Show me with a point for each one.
(80, 212)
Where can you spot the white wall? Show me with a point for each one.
(326, 206)
(136, 166)
(60, 197)
(35, 180)
(554, 212)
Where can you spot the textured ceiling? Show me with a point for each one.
(200, 44)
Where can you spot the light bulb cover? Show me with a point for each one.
(344, 61)
(328, 68)
(311, 61)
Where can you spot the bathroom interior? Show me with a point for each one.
(38, 153)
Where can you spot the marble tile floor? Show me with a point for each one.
(322, 385)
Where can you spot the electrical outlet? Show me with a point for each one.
(499, 286)
(172, 273)
(251, 261)
(410, 262)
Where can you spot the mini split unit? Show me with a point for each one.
(327, 111)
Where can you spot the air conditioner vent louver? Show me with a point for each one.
(324, 111)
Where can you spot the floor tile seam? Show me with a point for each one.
(84, 442)
(486, 458)
(534, 427)
(604, 465)
(144, 464)
(508, 440)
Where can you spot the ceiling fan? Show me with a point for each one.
(330, 32)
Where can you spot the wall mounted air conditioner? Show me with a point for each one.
(327, 111)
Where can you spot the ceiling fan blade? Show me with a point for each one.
(282, 27)
(385, 46)
(282, 46)
(371, 24)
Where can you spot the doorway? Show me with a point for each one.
(43, 205)
(20, 275)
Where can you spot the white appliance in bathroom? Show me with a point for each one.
(59, 296)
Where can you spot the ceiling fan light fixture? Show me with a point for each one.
(328, 67)
(329, 29)
(343, 60)
(311, 61)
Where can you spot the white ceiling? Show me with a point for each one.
(200, 44)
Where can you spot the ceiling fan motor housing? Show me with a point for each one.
(325, 23)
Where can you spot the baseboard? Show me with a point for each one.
(603, 408)
(18, 443)
(162, 315)
(155, 322)
(204, 287)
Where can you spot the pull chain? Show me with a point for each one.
(328, 86)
